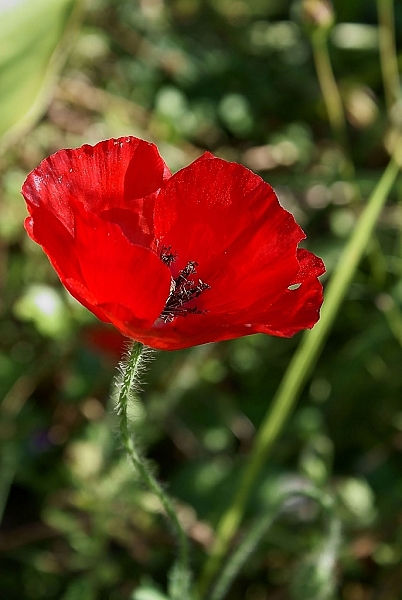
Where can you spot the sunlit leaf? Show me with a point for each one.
(31, 54)
(148, 592)
(44, 306)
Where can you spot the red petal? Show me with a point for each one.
(310, 266)
(45, 229)
(295, 310)
(117, 280)
(204, 155)
(130, 282)
(229, 221)
(136, 223)
(110, 174)
(81, 293)
(146, 170)
(59, 245)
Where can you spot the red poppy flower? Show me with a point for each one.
(204, 255)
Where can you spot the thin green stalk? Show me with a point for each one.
(242, 553)
(299, 368)
(393, 316)
(336, 113)
(259, 531)
(126, 384)
(388, 56)
(329, 88)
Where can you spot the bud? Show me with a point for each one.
(317, 13)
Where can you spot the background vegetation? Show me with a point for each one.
(251, 81)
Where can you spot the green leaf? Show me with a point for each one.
(180, 582)
(44, 306)
(82, 589)
(148, 592)
(30, 57)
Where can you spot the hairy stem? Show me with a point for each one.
(127, 383)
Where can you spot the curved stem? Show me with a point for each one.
(241, 554)
(126, 383)
(298, 370)
(331, 95)
(328, 85)
(261, 528)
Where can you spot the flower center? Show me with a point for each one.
(182, 289)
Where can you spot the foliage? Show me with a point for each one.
(245, 80)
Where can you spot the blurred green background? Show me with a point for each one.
(239, 78)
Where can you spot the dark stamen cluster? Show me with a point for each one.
(167, 256)
(183, 289)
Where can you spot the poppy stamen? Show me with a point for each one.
(182, 289)
(167, 256)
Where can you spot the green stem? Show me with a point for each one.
(388, 56)
(392, 314)
(242, 552)
(260, 529)
(330, 90)
(298, 371)
(127, 383)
